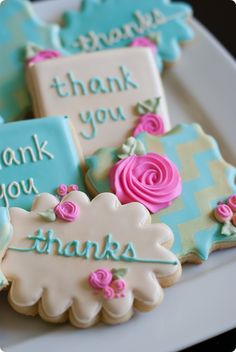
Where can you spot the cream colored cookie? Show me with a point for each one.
(87, 261)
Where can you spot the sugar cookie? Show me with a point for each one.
(206, 179)
(36, 156)
(102, 92)
(102, 24)
(87, 260)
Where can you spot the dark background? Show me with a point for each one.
(219, 16)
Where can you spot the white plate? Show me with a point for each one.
(201, 87)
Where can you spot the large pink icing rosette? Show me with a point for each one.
(152, 180)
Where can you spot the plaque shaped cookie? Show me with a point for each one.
(87, 260)
(101, 92)
(159, 24)
(206, 180)
(36, 156)
(19, 25)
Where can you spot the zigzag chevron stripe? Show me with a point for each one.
(206, 177)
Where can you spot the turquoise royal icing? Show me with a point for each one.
(48, 243)
(19, 25)
(112, 24)
(189, 217)
(36, 156)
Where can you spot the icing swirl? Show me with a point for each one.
(150, 123)
(223, 213)
(108, 293)
(62, 190)
(144, 42)
(118, 285)
(152, 180)
(72, 188)
(100, 278)
(232, 202)
(67, 211)
(43, 55)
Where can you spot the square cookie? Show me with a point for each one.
(99, 91)
(37, 156)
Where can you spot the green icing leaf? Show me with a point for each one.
(150, 105)
(118, 273)
(48, 215)
(154, 37)
(228, 229)
(132, 146)
(32, 50)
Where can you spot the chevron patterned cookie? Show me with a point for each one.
(19, 25)
(158, 24)
(87, 260)
(206, 180)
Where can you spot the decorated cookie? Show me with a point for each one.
(19, 25)
(36, 156)
(87, 261)
(106, 94)
(206, 180)
(6, 232)
(158, 24)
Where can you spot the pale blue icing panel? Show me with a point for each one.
(19, 25)
(40, 150)
(102, 17)
(204, 188)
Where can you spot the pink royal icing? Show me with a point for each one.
(232, 202)
(144, 42)
(223, 213)
(234, 220)
(150, 123)
(118, 285)
(152, 180)
(100, 278)
(108, 293)
(62, 190)
(72, 188)
(67, 211)
(43, 55)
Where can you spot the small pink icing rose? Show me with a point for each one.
(72, 188)
(43, 55)
(232, 202)
(144, 42)
(223, 213)
(108, 293)
(150, 123)
(234, 220)
(62, 190)
(67, 211)
(118, 285)
(152, 180)
(100, 278)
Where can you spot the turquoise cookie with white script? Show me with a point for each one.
(37, 156)
(19, 25)
(206, 180)
(161, 25)
(88, 261)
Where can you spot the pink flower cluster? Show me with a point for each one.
(225, 212)
(62, 190)
(103, 280)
